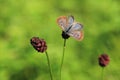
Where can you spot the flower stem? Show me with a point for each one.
(62, 57)
(50, 70)
(102, 73)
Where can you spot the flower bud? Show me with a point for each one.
(104, 60)
(38, 44)
(64, 35)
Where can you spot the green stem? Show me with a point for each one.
(50, 70)
(102, 73)
(62, 57)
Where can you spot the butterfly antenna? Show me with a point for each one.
(64, 46)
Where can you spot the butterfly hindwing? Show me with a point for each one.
(76, 31)
(78, 35)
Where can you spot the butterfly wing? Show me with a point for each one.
(62, 22)
(78, 35)
(70, 20)
(76, 31)
(76, 26)
(65, 22)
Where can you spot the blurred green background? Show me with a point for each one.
(20, 20)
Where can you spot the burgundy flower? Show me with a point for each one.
(103, 60)
(38, 44)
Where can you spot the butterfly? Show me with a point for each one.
(71, 27)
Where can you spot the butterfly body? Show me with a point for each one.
(70, 27)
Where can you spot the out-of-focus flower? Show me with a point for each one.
(104, 60)
(38, 44)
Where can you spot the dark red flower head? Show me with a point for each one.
(103, 60)
(38, 44)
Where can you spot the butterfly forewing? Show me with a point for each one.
(70, 20)
(76, 27)
(62, 22)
